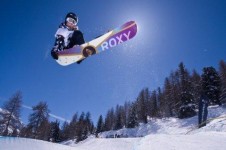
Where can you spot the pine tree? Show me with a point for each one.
(222, 73)
(160, 100)
(11, 117)
(66, 132)
(166, 103)
(211, 85)
(175, 97)
(100, 125)
(38, 121)
(132, 118)
(109, 120)
(73, 127)
(153, 104)
(92, 129)
(196, 86)
(84, 126)
(88, 123)
(125, 113)
(187, 109)
(142, 105)
(54, 132)
(118, 119)
(44, 130)
(24, 132)
(82, 131)
(74, 118)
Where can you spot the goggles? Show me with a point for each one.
(71, 20)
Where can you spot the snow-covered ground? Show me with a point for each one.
(216, 116)
(158, 134)
(202, 141)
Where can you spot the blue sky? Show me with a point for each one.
(192, 31)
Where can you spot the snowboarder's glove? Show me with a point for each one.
(54, 54)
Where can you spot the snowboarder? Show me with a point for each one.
(67, 35)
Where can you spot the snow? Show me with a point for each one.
(8, 143)
(202, 141)
(216, 116)
(157, 134)
(3, 111)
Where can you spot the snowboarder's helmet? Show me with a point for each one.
(71, 17)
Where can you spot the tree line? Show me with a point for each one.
(39, 125)
(178, 97)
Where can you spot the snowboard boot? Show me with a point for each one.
(79, 62)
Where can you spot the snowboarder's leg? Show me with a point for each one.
(76, 39)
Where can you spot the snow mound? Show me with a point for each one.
(10, 143)
(201, 141)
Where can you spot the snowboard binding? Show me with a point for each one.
(88, 51)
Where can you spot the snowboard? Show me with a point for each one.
(104, 42)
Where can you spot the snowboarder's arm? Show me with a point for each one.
(62, 32)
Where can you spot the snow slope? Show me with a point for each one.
(9, 143)
(216, 117)
(202, 141)
(158, 134)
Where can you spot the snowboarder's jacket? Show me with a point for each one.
(67, 38)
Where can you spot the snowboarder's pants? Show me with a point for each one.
(76, 39)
